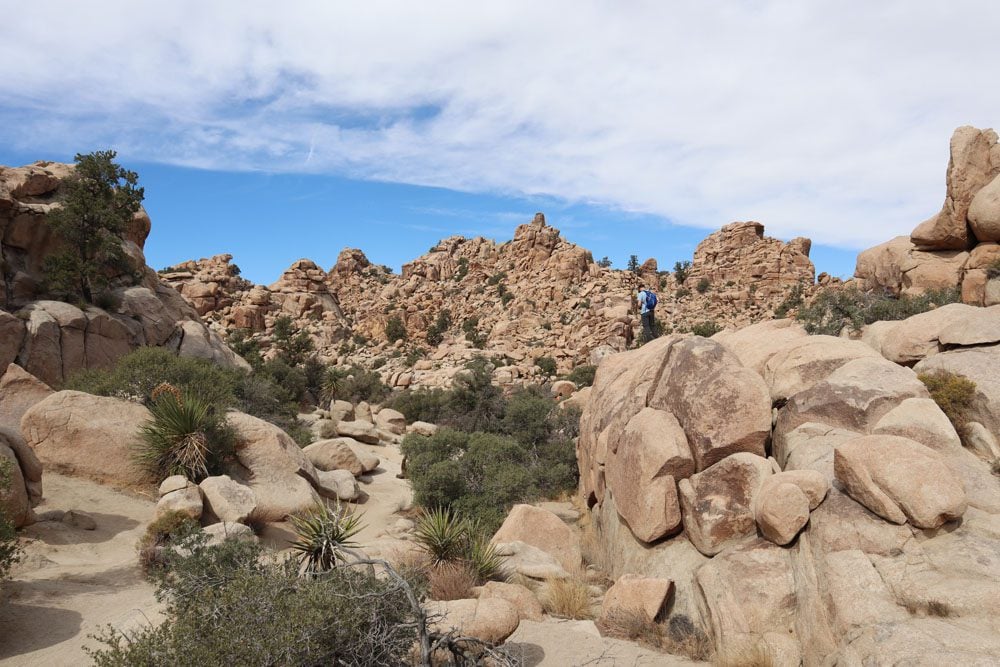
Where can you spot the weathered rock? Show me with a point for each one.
(338, 485)
(362, 431)
(979, 326)
(781, 510)
(529, 561)
(808, 361)
(633, 594)
(491, 620)
(562, 389)
(222, 531)
(14, 501)
(280, 474)
(391, 420)
(19, 390)
(228, 500)
(969, 170)
(87, 436)
(717, 503)
(982, 366)
(900, 480)
(809, 446)
(984, 211)
(422, 428)
(652, 456)
(341, 410)
(544, 530)
(755, 345)
(173, 483)
(723, 407)
(340, 454)
(186, 500)
(527, 605)
(916, 337)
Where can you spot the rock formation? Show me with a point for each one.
(535, 295)
(956, 248)
(52, 339)
(852, 539)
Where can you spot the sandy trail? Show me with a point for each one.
(72, 582)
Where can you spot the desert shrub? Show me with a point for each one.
(10, 550)
(470, 327)
(833, 309)
(706, 329)
(583, 375)
(567, 598)
(354, 384)
(506, 298)
(702, 285)
(241, 342)
(681, 293)
(395, 329)
(414, 355)
(463, 268)
(293, 345)
(323, 534)
(167, 529)
(447, 538)
(228, 604)
(546, 364)
(442, 534)
(185, 436)
(793, 300)
(681, 270)
(428, 405)
(604, 262)
(953, 393)
(482, 475)
(451, 580)
(678, 635)
(440, 326)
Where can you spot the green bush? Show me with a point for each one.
(463, 268)
(547, 365)
(583, 375)
(681, 293)
(395, 329)
(185, 436)
(706, 329)
(702, 285)
(323, 534)
(681, 270)
(427, 405)
(835, 308)
(448, 538)
(793, 300)
(953, 393)
(10, 550)
(472, 333)
(354, 384)
(169, 528)
(229, 605)
(441, 325)
(292, 344)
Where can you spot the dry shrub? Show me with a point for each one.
(928, 608)
(954, 395)
(678, 635)
(451, 580)
(567, 598)
(164, 530)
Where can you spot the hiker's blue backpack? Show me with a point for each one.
(650, 300)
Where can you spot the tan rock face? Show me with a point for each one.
(652, 456)
(634, 594)
(87, 436)
(717, 503)
(900, 480)
(227, 500)
(491, 620)
(340, 454)
(544, 530)
(19, 390)
(527, 605)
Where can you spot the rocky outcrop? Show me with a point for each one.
(867, 516)
(543, 530)
(955, 248)
(51, 339)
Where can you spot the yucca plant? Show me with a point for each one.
(323, 535)
(176, 441)
(442, 534)
(484, 559)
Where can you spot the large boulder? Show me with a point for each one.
(391, 420)
(633, 594)
(723, 407)
(490, 619)
(227, 499)
(528, 606)
(717, 503)
(185, 499)
(652, 456)
(338, 485)
(910, 340)
(340, 454)
(82, 435)
(969, 170)
(783, 502)
(756, 344)
(808, 361)
(542, 529)
(274, 467)
(982, 366)
(984, 212)
(27, 461)
(900, 480)
(19, 390)
(14, 501)
(362, 431)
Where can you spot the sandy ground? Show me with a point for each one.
(72, 582)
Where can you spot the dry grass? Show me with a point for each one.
(451, 580)
(929, 608)
(678, 636)
(567, 598)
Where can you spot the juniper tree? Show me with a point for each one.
(100, 201)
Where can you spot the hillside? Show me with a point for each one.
(533, 296)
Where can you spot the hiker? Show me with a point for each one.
(647, 310)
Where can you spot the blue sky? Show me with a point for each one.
(277, 132)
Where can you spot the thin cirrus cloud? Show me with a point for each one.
(827, 119)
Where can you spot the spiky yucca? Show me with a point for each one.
(443, 534)
(176, 440)
(323, 535)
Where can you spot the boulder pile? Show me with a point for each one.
(956, 248)
(801, 488)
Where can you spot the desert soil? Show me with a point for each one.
(74, 582)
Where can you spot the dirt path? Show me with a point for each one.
(72, 581)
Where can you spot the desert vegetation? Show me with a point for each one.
(10, 550)
(831, 310)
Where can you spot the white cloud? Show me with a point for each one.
(826, 118)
